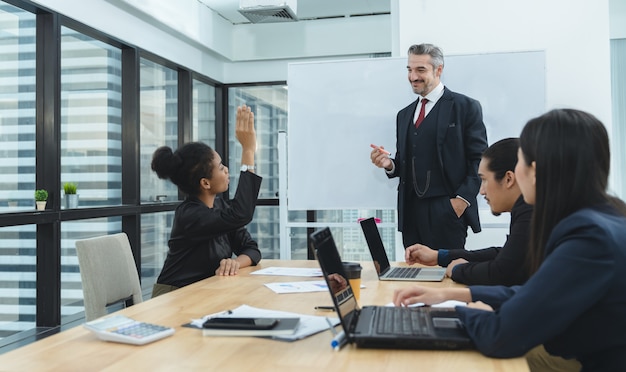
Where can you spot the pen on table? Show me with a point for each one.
(325, 308)
(339, 341)
(380, 149)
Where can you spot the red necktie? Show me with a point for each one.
(421, 115)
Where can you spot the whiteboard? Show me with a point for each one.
(337, 108)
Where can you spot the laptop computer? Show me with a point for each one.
(384, 270)
(385, 326)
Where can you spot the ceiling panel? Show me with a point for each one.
(307, 9)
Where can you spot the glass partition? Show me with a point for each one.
(18, 277)
(71, 287)
(91, 124)
(203, 124)
(155, 232)
(269, 103)
(618, 137)
(17, 108)
(158, 126)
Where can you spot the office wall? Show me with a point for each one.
(574, 34)
(617, 11)
(193, 36)
(221, 51)
(267, 49)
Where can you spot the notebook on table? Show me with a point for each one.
(385, 326)
(384, 269)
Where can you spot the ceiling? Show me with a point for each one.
(307, 9)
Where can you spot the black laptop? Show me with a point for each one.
(381, 262)
(385, 326)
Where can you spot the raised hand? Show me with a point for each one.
(245, 133)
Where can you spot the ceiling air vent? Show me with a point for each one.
(268, 11)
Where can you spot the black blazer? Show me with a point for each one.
(461, 140)
(495, 265)
(201, 236)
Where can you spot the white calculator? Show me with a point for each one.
(119, 328)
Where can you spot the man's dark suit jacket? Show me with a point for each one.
(461, 140)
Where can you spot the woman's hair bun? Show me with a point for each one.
(165, 162)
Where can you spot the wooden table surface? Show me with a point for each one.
(187, 350)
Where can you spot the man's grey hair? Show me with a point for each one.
(435, 53)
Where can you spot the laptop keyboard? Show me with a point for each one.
(402, 320)
(403, 272)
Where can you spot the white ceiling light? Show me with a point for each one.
(268, 11)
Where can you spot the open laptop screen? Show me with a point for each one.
(328, 257)
(375, 245)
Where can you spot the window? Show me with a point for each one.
(349, 236)
(618, 92)
(158, 126)
(155, 232)
(19, 279)
(91, 125)
(17, 166)
(71, 287)
(203, 125)
(17, 108)
(269, 104)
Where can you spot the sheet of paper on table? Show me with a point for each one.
(298, 287)
(289, 271)
(309, 324)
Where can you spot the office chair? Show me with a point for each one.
(108, 273)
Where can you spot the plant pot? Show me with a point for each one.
(71, 201)
(40, 205)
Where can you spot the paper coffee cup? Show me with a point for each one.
(353, 274)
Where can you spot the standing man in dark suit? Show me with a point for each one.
(440, 139)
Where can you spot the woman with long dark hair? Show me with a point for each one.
(575, 301)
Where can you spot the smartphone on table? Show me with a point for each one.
(241, 323)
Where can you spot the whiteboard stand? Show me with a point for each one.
(285, 242)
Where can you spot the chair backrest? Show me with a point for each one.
(108, 273)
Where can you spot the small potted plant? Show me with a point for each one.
(71, 197)
(41, 197)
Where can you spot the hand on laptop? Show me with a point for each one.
(421, 254)
(429, 296)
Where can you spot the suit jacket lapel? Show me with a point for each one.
(405, 124)
(445, 112)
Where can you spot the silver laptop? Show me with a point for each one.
(385, 326)
(381, 262)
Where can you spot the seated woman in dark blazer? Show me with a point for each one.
(574, 303)
(207, 230)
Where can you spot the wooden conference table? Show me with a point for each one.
(187, 350)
